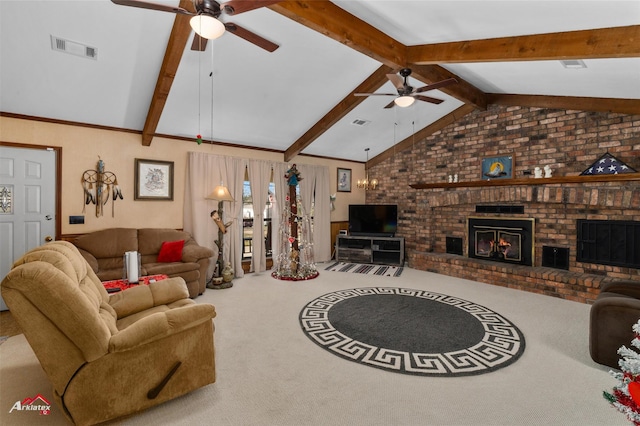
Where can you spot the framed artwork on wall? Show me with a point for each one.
(497, 167)
(344, 180)
(153, 180)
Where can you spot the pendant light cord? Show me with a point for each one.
(211, 75)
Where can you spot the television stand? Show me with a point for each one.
(370, 249)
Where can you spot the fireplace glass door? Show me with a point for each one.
(499, 244)
(501, 239)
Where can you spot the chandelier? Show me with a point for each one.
(367, 183)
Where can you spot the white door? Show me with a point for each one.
(27, 203)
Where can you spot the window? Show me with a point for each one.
(247, 221)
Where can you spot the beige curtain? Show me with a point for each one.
(259, 177)
(204, 173)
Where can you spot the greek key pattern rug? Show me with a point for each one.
(412, 331)
(363, 268)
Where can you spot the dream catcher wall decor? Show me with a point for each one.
(99, 186)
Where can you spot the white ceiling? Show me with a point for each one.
(269, 100)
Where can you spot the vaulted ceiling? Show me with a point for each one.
(300, 99)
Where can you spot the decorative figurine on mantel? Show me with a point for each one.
(537, 172)
(547, 171)
(295, 261)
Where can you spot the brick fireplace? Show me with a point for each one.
(433, 219)
(555, 209)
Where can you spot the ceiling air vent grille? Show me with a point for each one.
(360, 122)
(573, 63)
(73, 48)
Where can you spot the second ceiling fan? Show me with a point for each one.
(407, 94)
(205, 21)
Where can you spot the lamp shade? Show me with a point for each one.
(405, 101)
(220, 193)
(207, 26)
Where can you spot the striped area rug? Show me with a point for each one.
(361, 268)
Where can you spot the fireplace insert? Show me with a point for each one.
(499, 239)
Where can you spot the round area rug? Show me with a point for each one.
(412, 331)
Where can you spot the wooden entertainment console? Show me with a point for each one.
(377, 250)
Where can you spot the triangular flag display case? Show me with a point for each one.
(607, 165)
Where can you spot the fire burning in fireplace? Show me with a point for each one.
(498, 244)
(501, 239)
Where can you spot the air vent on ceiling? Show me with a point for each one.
(67, 46)
(573, 63)
(360, 122)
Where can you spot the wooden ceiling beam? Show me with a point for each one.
(175, 47)
(347, 104)
(337, 24)
(462, 91)
(617, 42)
(448, 119)
(615, 105)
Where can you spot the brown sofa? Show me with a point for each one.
(613, 315)
(108, 356)
(104, 251)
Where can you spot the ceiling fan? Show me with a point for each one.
(205, 21)
(407, 95)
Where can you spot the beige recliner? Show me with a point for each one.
(108, 355)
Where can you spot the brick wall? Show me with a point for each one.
(567, 141)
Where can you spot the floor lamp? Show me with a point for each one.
(220, 193)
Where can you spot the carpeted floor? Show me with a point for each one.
(270, 374)
(412, 331)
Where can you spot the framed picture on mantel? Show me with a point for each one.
(497, 167)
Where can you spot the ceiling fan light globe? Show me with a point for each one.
(404, 101)
(207, 26)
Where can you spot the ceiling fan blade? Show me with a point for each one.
(152, 6)
(199, 43)
(396, 80)
(375, 94)
(391, 104)
(437, 85)
(234, 7)
(251, 37)
(428, 99)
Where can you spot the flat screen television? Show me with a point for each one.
(376, 220)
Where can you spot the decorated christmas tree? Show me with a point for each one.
(295, 260)
(625, 396)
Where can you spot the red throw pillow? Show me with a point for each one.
(171, 251)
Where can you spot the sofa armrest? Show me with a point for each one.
(138, 299)
(91, 259)
(192, 252)
(160, 325)
(625, 287)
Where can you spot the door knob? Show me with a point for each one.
(48, 217)
(48, 238)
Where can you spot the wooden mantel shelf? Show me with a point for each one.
(531, 181)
